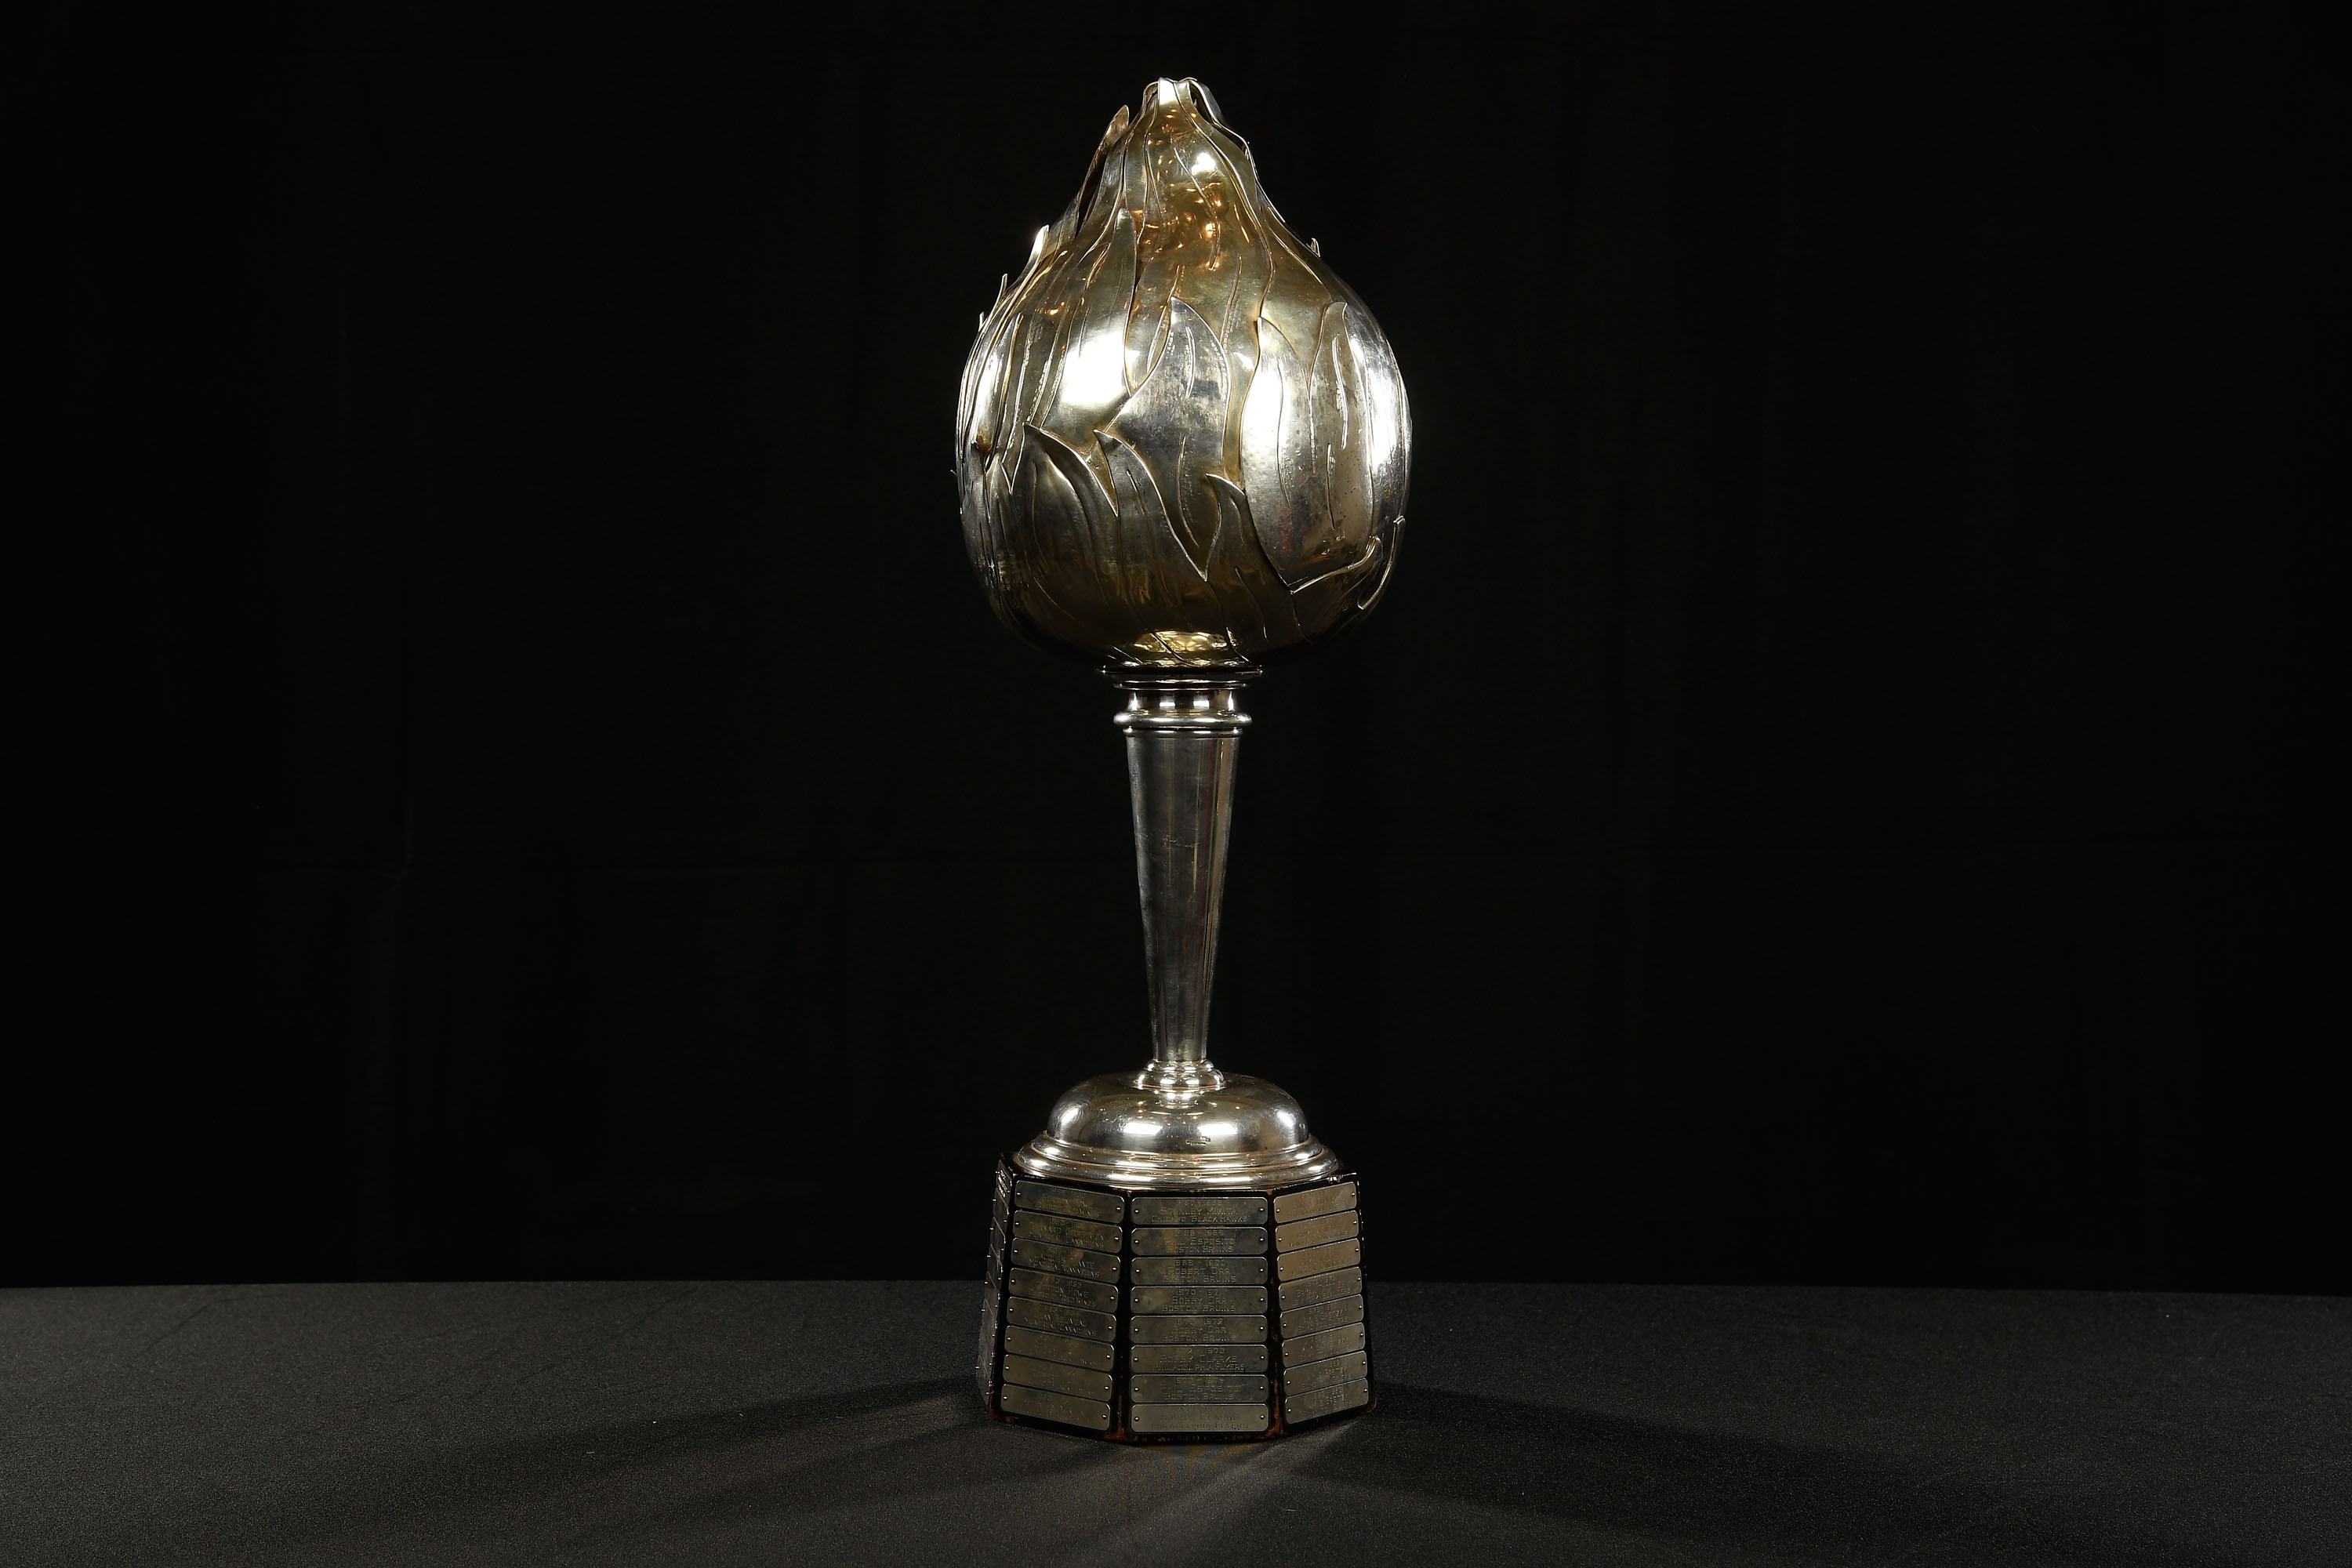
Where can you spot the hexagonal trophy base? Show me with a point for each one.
(1171, 1315)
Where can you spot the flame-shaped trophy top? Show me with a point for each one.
(1182, 440)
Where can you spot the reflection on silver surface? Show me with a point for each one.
(1181, 441)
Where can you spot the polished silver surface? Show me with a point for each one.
(1181, 450)
(1180, 440)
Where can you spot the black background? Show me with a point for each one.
(514, 777)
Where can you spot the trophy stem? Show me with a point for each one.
(1184, 733)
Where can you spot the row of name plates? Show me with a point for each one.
(1232, 1314)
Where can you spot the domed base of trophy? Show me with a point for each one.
(1175, 1261)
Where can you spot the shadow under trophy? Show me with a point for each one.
(1181, 448)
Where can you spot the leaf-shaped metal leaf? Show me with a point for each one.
(1257, 611)
(1089, 371)
(1284, 485)
(1335, 400)
(1176, 423)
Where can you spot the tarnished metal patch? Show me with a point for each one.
(1195, 1387)
(1322, 1287)
(1076, 1201)
(1198, 1298)
(1326, 1401)
(1056, 1319)
(1198, 1330)
(1198, 1417)
(1059, 1376)
(1216, 1240)
(1063, 1288)
(1060, 1230)
(1314, 1232)
(1240, 1208)
(1319, 1260)
(1093, 1414)
(1043, 1346)
(1197, 1270)
(1314, 1201)
(1304, 1348)
(1196, 1358)
(1327, 1315)
(1077, 1260)
(1297, 1380)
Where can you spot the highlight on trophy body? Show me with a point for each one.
(1182, 448)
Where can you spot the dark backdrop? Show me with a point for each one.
(514, 776)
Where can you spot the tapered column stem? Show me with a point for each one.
(1183, 732)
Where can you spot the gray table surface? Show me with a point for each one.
(754, 1423)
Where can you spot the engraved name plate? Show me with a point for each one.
(1076, 1201)
(1077, 1260)
(1198, 1209)
(1197, 1270)
(1198, 1358)
(1194, 1330)
(1319, 1260)
(1322, 1287)
(1198, 1239)
(1063, 1231)
(1068, 1291)
(1199, 1417)
(1056, 1319)
(1314, 1201)
(1043, 1346)
(1198, 1298)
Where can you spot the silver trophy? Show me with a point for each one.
(1182, 448)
